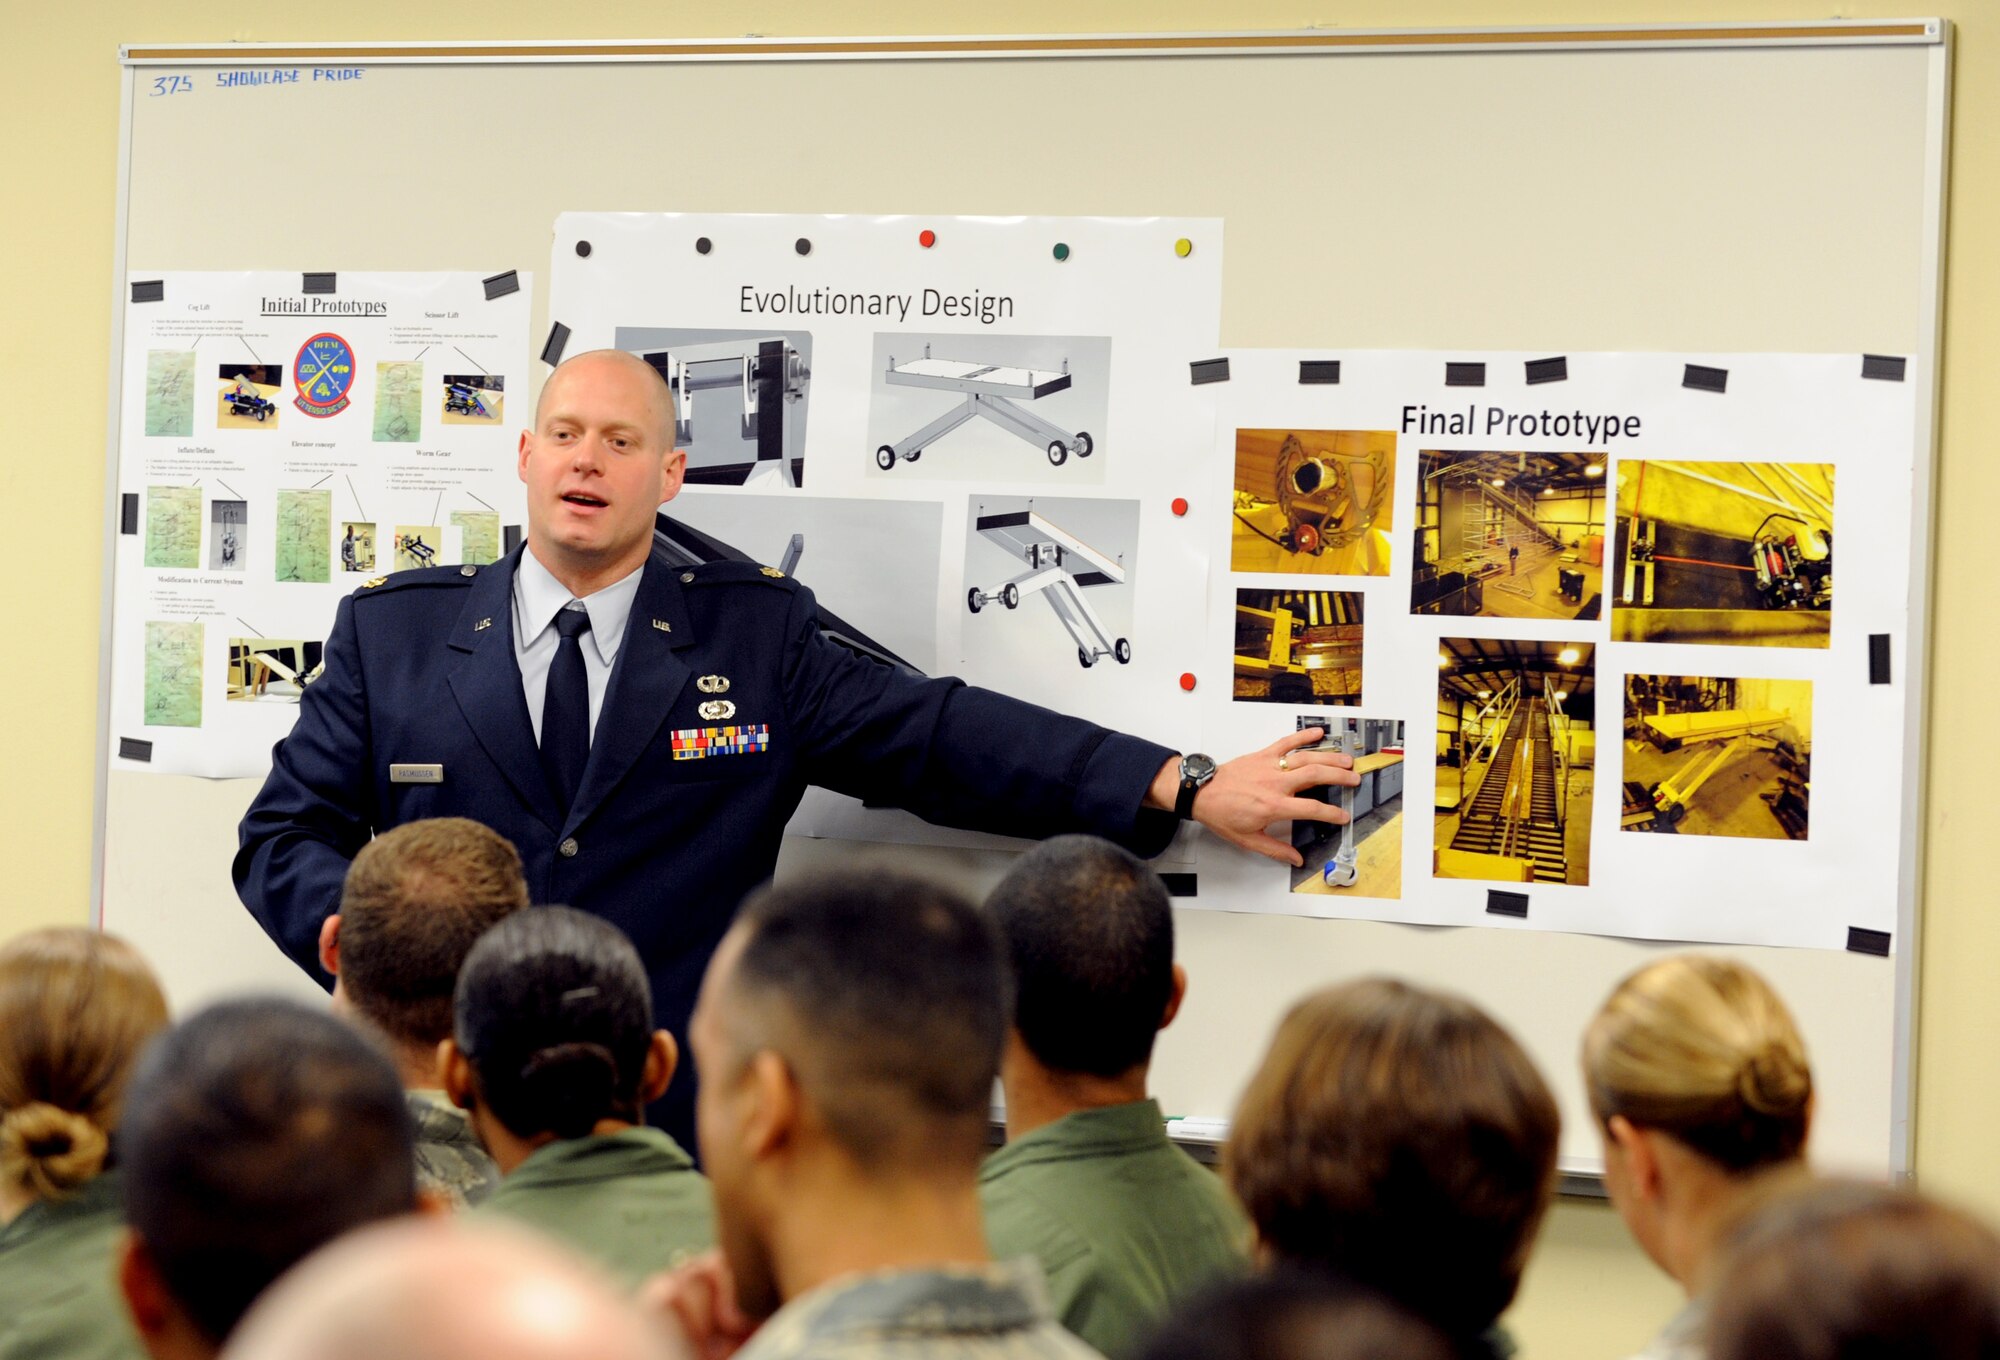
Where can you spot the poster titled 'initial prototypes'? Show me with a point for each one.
(285, 439)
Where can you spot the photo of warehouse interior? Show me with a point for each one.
(1298, 647)
(1722, 552)
(1365, 857)
(1715, 756)
(1314, 501)
(1510, 535)
(1515, 749)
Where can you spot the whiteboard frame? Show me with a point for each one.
(1934, 33)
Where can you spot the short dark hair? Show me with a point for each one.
(1091, 937)
(890, 994)
(1403, 1138)
(415, 900)
(555, 1015)
(1839, 1269)
(256, 1131)
(1291, 1313)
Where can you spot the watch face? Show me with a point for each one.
(1197, 767)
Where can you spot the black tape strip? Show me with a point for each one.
(1465, 375)
(1500, 903)
(128, 513)
(1319, 371)
(769, 375)
(150, 290)
(317, 283)
(1208, 371)
(558, 338)
(1179, 885)
(510, 535)
(1887, 367)
(1878, 658)
(131, 748)
(502, 284)
(1860, 941)
(1548, 370)
(1705, 379)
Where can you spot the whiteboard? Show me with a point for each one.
(1749, 188)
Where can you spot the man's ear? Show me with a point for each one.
(145, 1293)
(673, 474)
(663, 1056)
(455, 1074)
(329, 944)
(772, 1121)
(1175, 997)
(527, 447)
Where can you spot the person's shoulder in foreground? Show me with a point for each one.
(1122, 1221)
(555, 1054)
(995, 1311)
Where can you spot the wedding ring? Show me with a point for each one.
(1284, 762)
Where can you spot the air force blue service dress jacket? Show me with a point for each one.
(725, 703)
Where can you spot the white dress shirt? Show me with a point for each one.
(538, 598)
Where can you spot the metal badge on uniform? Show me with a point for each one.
(416, 774)
(663, 625)
(713, 684)
(699, 743)
(482, 625)
(717, 710)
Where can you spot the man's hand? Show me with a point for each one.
(1251, 792)
(699, 1299)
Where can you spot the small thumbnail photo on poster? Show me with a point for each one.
(1510, 535)
(1711, 755)
(1297, 647)
(1314, 502)
(1363, 858)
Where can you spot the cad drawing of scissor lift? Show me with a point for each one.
(1059, 565)
(766, 370)
(992, 392)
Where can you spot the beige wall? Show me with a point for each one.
(1589, 1293)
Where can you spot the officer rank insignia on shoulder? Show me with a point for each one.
(773, 573)
(370, 585)
(699, 743)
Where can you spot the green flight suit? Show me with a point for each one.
(631, 1200)
(58, 1299)
(1124, 1223)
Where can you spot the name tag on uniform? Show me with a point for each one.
(416, 774)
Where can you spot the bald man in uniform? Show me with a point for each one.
(713, 701)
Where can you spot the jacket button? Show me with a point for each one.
(568, 847)
(468, 570)
(687, 576)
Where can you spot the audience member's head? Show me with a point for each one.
(1091, 938)
(1293, 1313)
(445, 1290)
(255, 1132)
(76, 1006)
(553, 1033)
(1698, 1080)
(848, 1034)
(1843, 1271)
(1402, 1138)
(416, 899)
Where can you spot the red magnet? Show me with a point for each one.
(1180, 505)
(1187, 680)
(926, 238)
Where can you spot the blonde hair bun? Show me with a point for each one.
(50, 1151)
(1774, 1081)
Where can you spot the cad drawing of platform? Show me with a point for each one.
(1059, 566)
(992, 392)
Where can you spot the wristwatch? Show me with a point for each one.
(1196, 770)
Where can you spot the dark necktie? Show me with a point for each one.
(566, 709)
